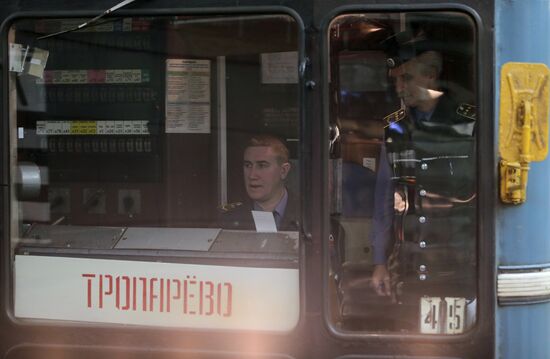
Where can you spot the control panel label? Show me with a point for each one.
(92, 128)
(121, 76)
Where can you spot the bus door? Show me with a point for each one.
(402, 90)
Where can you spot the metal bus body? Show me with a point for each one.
(128, 230)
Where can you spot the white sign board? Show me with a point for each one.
(187, 96)
(156, 294)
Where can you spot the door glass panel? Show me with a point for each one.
(403, 172)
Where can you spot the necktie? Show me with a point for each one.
(277, 218)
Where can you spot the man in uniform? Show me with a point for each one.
(265, 168)
(425, 191)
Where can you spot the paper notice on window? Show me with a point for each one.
(188, 96)
(280, 68)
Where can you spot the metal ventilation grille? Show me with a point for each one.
(523, 285)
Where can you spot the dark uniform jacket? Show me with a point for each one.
(431, 165)
(240, 216)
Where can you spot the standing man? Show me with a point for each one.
(424, 220)
(265, 169)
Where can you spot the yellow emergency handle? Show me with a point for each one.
(523, 128)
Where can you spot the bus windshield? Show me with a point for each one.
(156, 170)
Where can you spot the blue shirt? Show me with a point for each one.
(279, 211)
(383, 210)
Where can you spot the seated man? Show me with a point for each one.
(265, 169)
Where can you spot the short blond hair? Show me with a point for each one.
(278, 146)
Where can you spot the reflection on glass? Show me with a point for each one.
(157, 155)
(403, 184)
(146, 123)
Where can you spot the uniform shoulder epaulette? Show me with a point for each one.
(228, 207)
(394, 117)
(467, 110)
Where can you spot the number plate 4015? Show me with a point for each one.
(442, 315)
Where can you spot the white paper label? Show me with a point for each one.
(264, 222)
(370, 163)
(187, 96)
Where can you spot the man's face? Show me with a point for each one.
(412, 85)
(263, 175)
